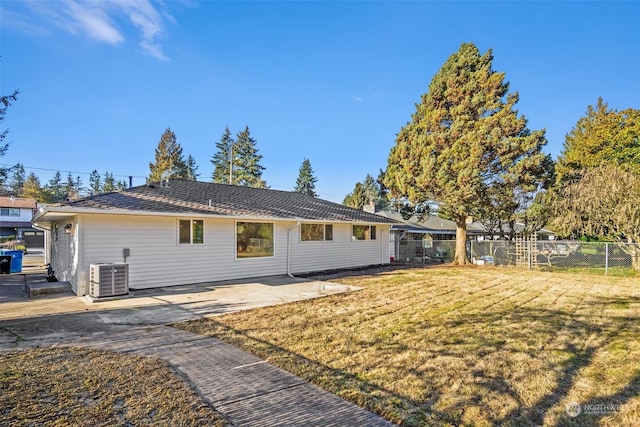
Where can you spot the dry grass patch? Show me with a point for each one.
(461, 346)
(60, 386)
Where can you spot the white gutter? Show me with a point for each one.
(40, 227)
(43, 211)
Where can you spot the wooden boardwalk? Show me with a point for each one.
(244, 388)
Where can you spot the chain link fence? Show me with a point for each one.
(606, 258)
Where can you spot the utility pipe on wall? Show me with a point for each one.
(289, 248)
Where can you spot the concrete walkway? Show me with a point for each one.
(13, 287)
(244, 388)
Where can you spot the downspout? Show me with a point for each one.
(289, 248)
(382, 231)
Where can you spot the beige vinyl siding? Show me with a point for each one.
(156, 259)
(342, 252)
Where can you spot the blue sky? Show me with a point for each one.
(330, 81)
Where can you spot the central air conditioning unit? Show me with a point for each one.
(107, 280)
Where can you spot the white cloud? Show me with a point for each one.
(101, 20)
(21, 22)
(93, 20)
(154, 50)
(149, 21)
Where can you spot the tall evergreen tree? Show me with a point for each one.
(33, 190)
(95, 182)
(18, 178)
(222, 161)
(249, 169)
(191, 169)
(238, 162)
(602, 137)
(72, 187)
(79, 187)
(465, 144)
(368, 192)
(306, 182)
(357, 198)
(371, 189)
(169, 162)
(55, 189)
(109, 183)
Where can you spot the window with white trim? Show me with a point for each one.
(316, 232)
(254, 239)
(191, 231)
(363, 232)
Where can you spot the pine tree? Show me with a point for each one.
(109, 183)
(33, 190)
(222, 162)
(95, 182)
(371, 190)
(54, 189)
(306, 182)
(465, 145)
(169, 162)
(16, 183)
(249, 170)
(238, 162)
(191, 169)
(71, 188)
(602, 137)
(78, 186)
(356, 199)
(368, 192)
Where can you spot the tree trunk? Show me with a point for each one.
(460, 257)
(635, 257)
(633, 249)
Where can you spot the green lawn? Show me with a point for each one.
(461, 346)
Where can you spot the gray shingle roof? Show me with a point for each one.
(195, 197)
(429, 224)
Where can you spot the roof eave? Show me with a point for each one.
(68, 211)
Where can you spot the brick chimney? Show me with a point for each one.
(371, 207)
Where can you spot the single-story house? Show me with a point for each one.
(179, 232)
(431, 237)
(15, 220)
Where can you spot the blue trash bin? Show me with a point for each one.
(16, 260)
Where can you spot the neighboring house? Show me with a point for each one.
(15, 220)
(429, 237)
(180, 232)
(430, 227)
